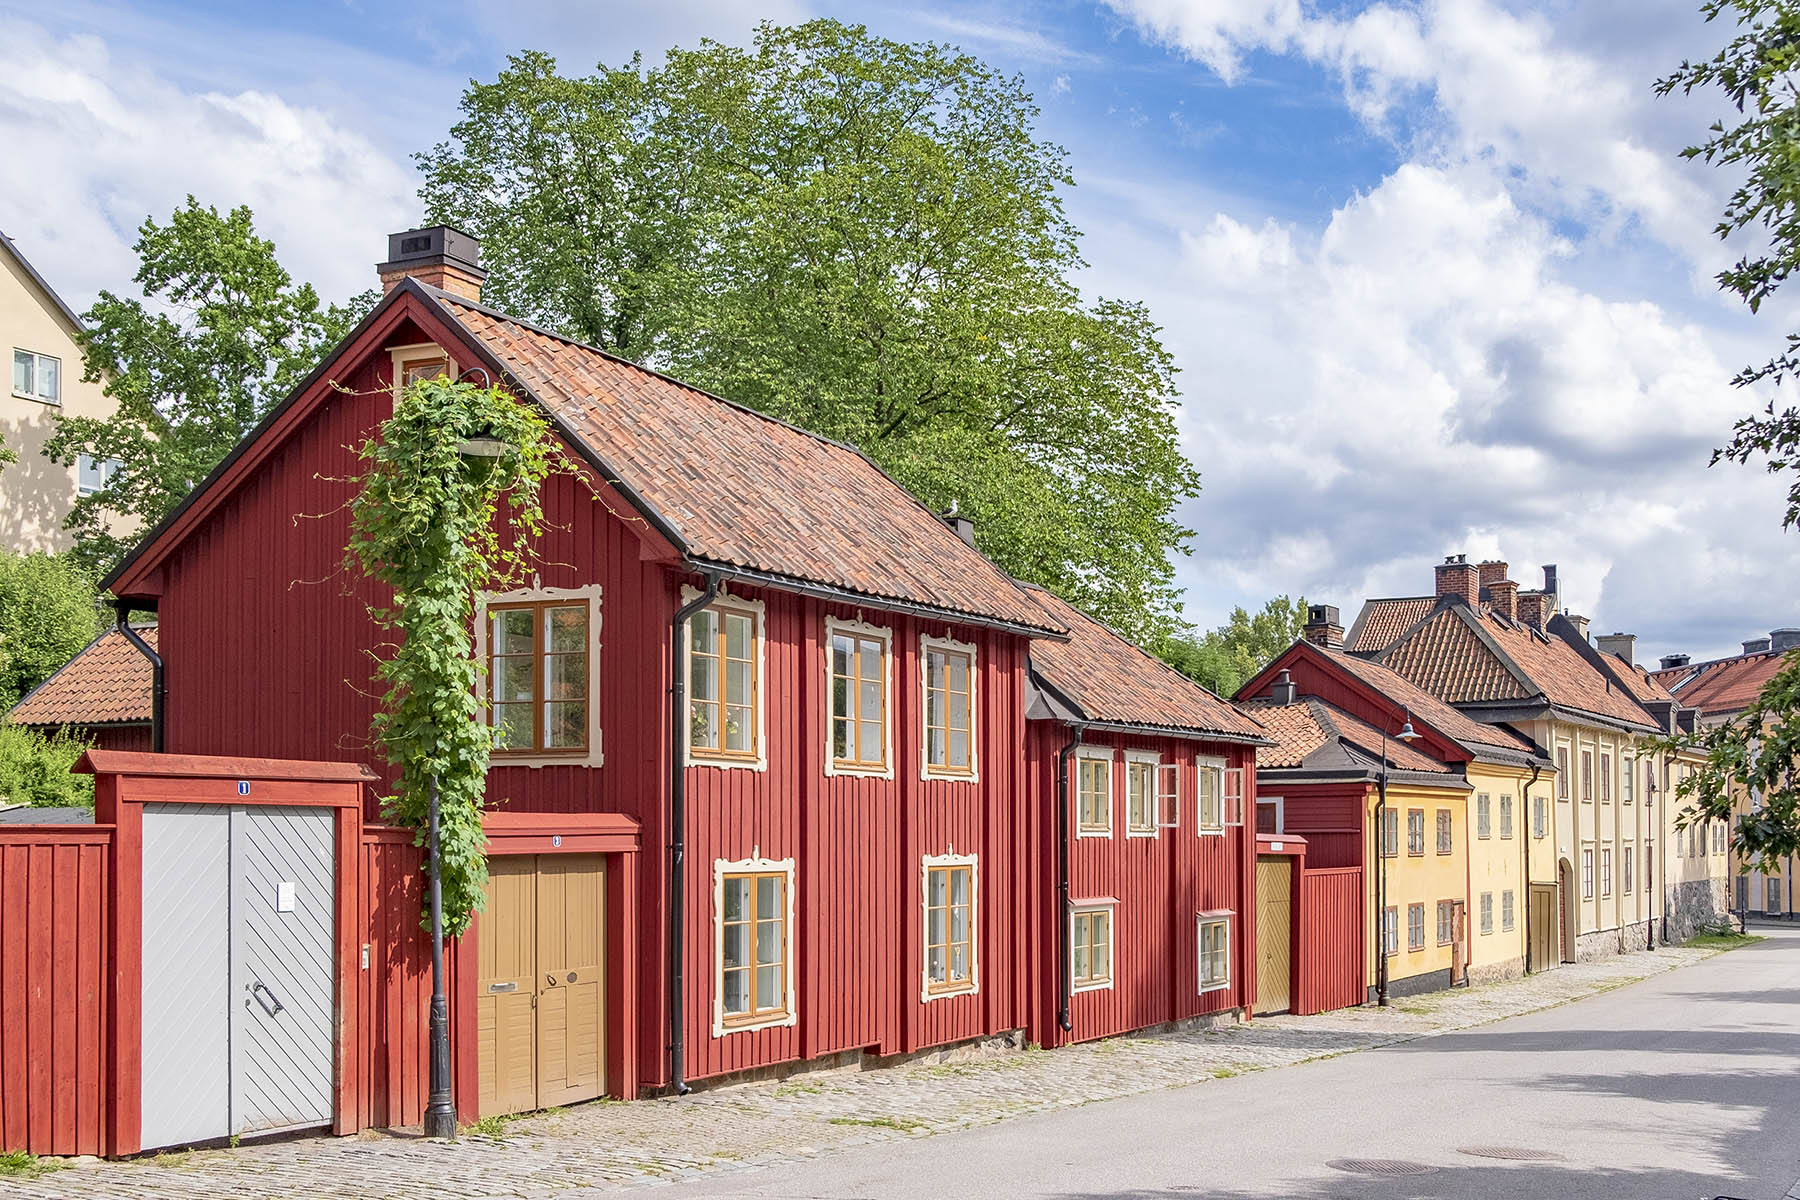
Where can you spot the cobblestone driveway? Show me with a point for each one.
(607, 1146)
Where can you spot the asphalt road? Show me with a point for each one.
(1685, 1086)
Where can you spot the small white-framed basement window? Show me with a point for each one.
(1141, 797)
(541, 647)
(859, 738)
(947, 685)
(753, 948)
(1090, 945)
(1214, 959)
(1093, 793)
(725, 682)
(950, 886)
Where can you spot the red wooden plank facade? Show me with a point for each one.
(1331, 939)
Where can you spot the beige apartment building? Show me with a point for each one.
(38, 330)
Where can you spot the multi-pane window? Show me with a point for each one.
(1093, 795)
(1484, 816)
(1628, 779)
(858, 699)
(1415, 927)
(1605, 778)
(1210, 780)
(1721, 837)
(1587, 874)
(1773, 896)
(1446, 914)
(1506, 816)
(1390, 833)
(723, 722)
(1506, 909)
(1606, 871)
(1090, 958)
(1587, 776)
(1140, 795)
(753, 947)
(538, 676)
(428, 363)
(1168, 794)
(1415, 831)
(1390, 930)
(93, 474)
(1540, 820)
(1446, 836)
(1562, 772)
(37, 377)
(1627, 876)
(1487, 912)
(949, 709)
(1215, 953)
(949, 928)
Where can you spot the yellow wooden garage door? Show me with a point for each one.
(1274, 934)
(540, 989)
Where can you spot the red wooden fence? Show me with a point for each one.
(1332, 940)
(53, 981)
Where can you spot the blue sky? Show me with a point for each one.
(1434, 275)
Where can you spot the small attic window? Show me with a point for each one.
(413, 363)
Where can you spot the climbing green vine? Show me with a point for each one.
(436, 526)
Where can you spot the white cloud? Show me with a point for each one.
(110, 141)
(581, 33)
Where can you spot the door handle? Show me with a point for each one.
(550, 980)
(271, 1003)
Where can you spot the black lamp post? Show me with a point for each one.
(1406, 734)
(440, 1108)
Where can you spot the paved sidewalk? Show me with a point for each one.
(606, 1146)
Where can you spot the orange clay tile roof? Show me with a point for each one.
(744, 490)
(1381, 622)
(107, 683)
(1427, 707)
(1112, 681)
(1300, 729)
(1729, 684)
(1448, 657)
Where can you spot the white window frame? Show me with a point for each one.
(926, 770)
(1110, 907)
(1627, 872)
(1606, 871)
(1390, 930)
(595, 756)
(1280, 804)
(106, 468)
(1628, 778)
(1587, 873)
(1154, 761)
(1540, 818)
(744, 866)
(1217, 765)
(1486, 914)
(1221, 918)
(1509, 910)
(1172, 818)
(1416, 907)
(34, 395)
(1508, 814)
(857, 628)
(418, 352)
(973, 986)
(1093, 754)
(758, 612)
(1484, 817)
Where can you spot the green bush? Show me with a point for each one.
(34, 769)
(47, 614)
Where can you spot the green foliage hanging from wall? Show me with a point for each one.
(437, 525)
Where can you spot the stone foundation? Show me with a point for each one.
(1494, 972)
(1605, 943)
(1694, 905)
(852, 1061)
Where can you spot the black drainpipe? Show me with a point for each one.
(678, 831)
(1062, 874)
(158, 689)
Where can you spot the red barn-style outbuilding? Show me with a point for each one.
(841, 777)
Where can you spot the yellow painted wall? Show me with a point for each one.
(1497, 862)
(1421, 879)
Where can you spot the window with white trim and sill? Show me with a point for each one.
(1390, 930)
(949, 726)
(1446, 914)
(93, 474)
(1487, 912)
(725, 667)
(951, 963)
(1415, 832)
(754, 917)
(1587, 873)
(1446, 831)
(425, 360)
(1390, 833)
(1140, 793)
(1507, 907)
(1605, 778)
(1090, 948)
(1271, 814)
(1484, 817)
(1562, 772)
(1093, 794)
(1215, 951)
(1415, 927)
(1628, 778)
(1540, 819)
(1168, 795)
(857, 673)
(1209, 779)
(1606, 870)
(37, 377)
(1627, 876)
(541, 647)
(1587, 776)
(1506, 816)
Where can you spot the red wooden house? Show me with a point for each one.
(1143, 776)
(757, 694)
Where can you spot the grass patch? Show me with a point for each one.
(1718, 940)
(903, 1124)
(1225, 1072)
(16, 1164)
(493, 1128)
(172, 1158)
(783, 1091)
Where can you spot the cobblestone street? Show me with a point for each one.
(607, 1146)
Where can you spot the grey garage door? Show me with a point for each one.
(239, 1002)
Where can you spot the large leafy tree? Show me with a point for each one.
(1224, 658)
(47, 614)
(864, 237)
(222, 333)
(1756, 752)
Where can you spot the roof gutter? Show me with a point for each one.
(158, 686)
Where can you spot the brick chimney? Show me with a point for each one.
(445, 258)
(1503, 598)
(1322, 627)
(1492, 571)
(1532, 607)
(1457, 576)
(1622, 644)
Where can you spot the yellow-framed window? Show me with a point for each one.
(1140, 795)
(1090, 959)
(723, 721)
(538, 682)
(1093, 804)
(753, 977)
(859, 700)
(950, 928)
